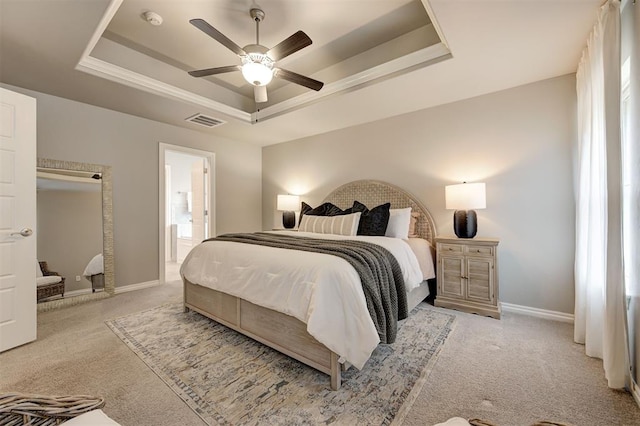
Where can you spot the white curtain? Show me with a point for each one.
(599, 286)
(630, 28)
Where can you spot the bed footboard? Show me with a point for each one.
(279, 331)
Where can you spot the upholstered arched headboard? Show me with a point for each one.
(373, 193)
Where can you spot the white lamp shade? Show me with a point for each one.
(288, 203)
(257, 73)
(465, 196)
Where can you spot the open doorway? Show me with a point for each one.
(186, 182)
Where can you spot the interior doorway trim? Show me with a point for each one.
(211, 229)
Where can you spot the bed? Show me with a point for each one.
(94, 272)
(328, 347)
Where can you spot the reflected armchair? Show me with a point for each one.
(48, 283)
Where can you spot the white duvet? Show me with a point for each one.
(321, 290)
(95, 266)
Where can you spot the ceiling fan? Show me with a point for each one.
(258, 62)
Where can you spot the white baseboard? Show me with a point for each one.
(536, 312)
(137, 286)
(77, 292)
(635, 391)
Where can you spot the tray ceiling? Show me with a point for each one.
(377, 58)
(354, 44)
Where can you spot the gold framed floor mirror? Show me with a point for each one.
(62, 236)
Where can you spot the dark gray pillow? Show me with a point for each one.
(372, 222)
(325, 209)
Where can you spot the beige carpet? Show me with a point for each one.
(511, 372)
(230, 379)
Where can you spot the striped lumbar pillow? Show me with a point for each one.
(340, 225)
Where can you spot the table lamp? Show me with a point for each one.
(464, 198)
(288, 205)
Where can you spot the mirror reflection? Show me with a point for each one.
(70, 233)
(75, 233)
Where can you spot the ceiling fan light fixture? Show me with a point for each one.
(257, 69)
(258, 61)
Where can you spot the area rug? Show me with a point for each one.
(230, 379)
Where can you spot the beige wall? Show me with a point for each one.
(518, 141)
(69, 232)
(69, 130)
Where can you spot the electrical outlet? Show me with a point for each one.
(77, 277)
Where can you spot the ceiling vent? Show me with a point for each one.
(204, 120)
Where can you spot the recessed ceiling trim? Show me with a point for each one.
(434, 22)
(420, 57)
(83, 177)
(109, 13)
(103, 69)
(121, 75)
(124, 76)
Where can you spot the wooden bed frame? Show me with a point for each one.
(285, 333)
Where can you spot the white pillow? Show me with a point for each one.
(399, 221)
(51, 279)
(92, 418)
(454, 421)
(346, 224)
(38, 270)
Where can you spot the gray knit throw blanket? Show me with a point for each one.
(379, 272)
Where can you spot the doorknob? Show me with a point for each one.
(25, 232)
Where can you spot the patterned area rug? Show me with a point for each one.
(229, 379)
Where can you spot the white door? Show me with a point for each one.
(17, 219)
(198, 202)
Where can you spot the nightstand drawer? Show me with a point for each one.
(450, 248)
(479, 250)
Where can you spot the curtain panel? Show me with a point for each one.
(599, 286)
(630, 43)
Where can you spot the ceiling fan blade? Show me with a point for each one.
(298, 79)
(204, 26)
(212, 71)
(290, 45)
(260, 94)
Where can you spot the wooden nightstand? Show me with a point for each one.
(467, 275)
